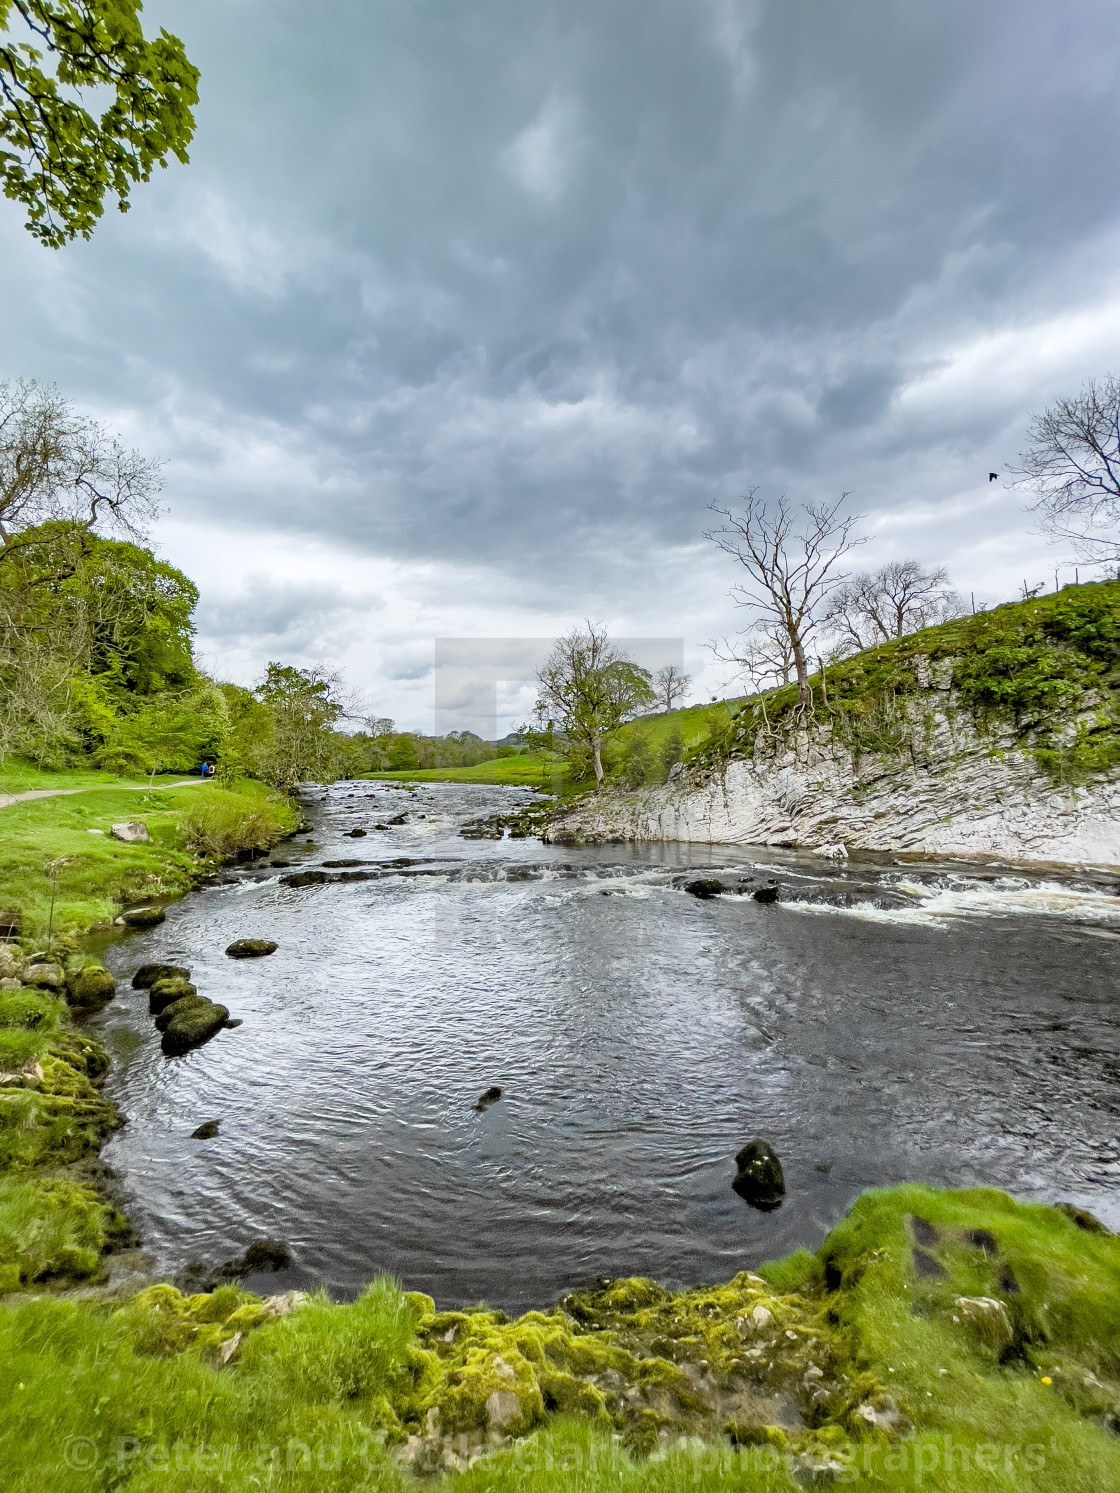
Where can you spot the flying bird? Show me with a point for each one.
(992, 476)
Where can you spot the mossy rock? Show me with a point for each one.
(163, 992)
(177, 1008)
(759, 1180)
(90, 987)
(142, 917)
(147, 975)
(194, 1026)
(251, 948)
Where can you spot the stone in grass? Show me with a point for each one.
(142, 917)
(206, 1131)
(193, 1027)
(758, 1179)
(163, 992)
(133, 833)
(148, 974)
(46, 976)
(90, 987)
(176, 1008)
(251, 948)
(11, 921)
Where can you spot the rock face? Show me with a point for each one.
(952, 791)
(759, 1180)
(135, 832)
(251, 948)
(90, 987)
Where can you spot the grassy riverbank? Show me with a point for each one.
(63, 876)
(952, 1341)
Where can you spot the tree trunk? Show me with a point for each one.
(597, 761)
(804, 693)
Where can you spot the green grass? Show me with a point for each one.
(527, 770)
(161, 1392)
(18, 775)
(46, 847)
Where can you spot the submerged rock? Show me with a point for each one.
(194, 1026)
(704, 888)
(491, 1096)
(305, 878)
(163, 992)
(142, 917)
(90, 987)
(357, 834)
(759, 1179)
(148, 974)
(251, 948)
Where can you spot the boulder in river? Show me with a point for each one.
(176, 1008)
(758, 1179)
(251, 948)
(206, 1131)
(357, 834)
(305, 878)
(90, 987)
(142, 917)
(704, 888)
(491, 1096)
(193, 1027)
(163, 992)
(147, 975)
(766, 894)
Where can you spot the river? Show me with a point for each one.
(882, 1022)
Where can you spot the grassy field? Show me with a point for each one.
(59, 851)
(524, 771)
(903, 1380)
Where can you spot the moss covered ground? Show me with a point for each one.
(952, 1341)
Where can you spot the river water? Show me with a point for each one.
(881, 1022)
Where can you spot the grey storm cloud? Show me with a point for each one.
(529, 285)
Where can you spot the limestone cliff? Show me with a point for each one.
(992, 737)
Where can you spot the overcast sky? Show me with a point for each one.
(465, 309)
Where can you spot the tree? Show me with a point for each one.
(792, 569)
(304, 707)
(764, 654)
(587, 688)
(60, 467)
(670, 684)
(1073, 465)
(876, 606)
(60, 160)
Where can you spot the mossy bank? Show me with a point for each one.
(64, 881)
(954, 1341)
(994, 735)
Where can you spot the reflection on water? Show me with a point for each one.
(882, 1022)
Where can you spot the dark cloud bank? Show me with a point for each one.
(524, 287)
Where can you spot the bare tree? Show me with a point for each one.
(587, 688)
(792, 567)
(1073, 466)
(670, 684)
(878, 605)
(764, 655)
(57, 465)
